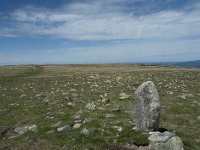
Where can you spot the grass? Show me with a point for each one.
(22, 94)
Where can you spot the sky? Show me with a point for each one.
(98, 31)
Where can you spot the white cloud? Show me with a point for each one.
(167, 35)
(104, 20)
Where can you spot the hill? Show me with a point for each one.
(188, 64)
(193, 64)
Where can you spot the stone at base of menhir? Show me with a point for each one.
(165, 141)
(147, 107)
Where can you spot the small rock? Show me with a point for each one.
(70, 104)
(185, 96)
(77, 121)
(22, 130)
(78, 115)
(85, 132)
(64, 129)
(197, 140)
(198, 117)
(170, 92)
(119, 128)
(135, 128)
(46, 100)
(76, 125)
(104, 98)
(190, 95)
(123, 96)
(91, 106)
(49, 117)
(13, 136)
(116, 109)
(89, 119)
(50, 131)
(57, 125)
(110, 115)
(23, 95)
(32, 128)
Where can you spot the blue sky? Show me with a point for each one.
(99, 31)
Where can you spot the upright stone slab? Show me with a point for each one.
(147, 107)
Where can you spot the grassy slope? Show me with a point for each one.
(22, 94)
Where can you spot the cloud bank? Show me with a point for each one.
(103, 31)
(105, 20)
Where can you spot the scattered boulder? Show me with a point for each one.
(22, 130)
(147, 107)
(118, 128)
(170, 92)
(64, 128)
(76, 125)
(71, 105)
(89, 119)
(50, 131)
(49, 117)
(78, 115)
(104, 98)
(116, 109)
(91, 106)
(77, 121)
(46, 100)
(23, 96)
(123, 96)
(85, 132)
(110, 115)
(164, 141)
(185, 96)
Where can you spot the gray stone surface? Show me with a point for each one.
(185, 96)
(76, 125)
(143, 148)
(85, 131)
(131, 146)
(22, 130)
(147, 107)
(78, 115)
(87, 120)
(64, 128)
(91, 106)
(110, 115)
(157, 137)
(165, 141)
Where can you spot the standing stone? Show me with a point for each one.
(147, 107)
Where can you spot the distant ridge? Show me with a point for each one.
(192, 64)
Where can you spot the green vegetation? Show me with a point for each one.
(40, 95)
